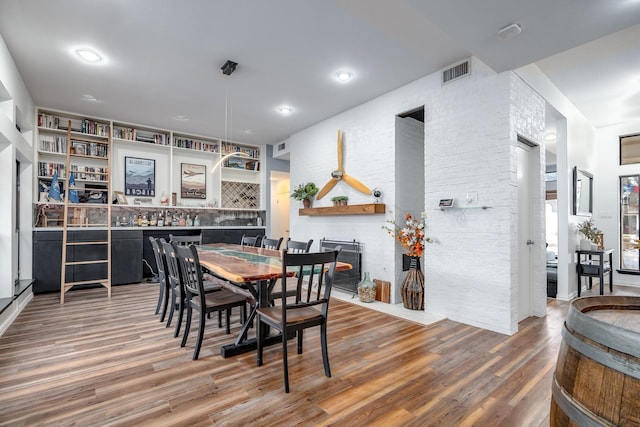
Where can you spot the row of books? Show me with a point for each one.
(53, 143)
(48, 168)
(89, 173)
(228, 148)
(91, 127)
(194, 144)
(133, 134)
(89, 149)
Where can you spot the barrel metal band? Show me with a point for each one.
(624, 365)
(572, 409)
(620, 339)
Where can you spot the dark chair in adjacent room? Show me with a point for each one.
(309, 308)
(198, 300)
(250, 240)
(273, 244)
(161, 263)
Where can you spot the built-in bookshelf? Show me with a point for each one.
(196, 143)
(236, 184)
(128, 132)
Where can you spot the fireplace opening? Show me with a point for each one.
(351, 253)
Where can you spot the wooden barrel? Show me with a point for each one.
(597, 377)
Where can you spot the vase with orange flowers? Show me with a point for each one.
(411, 235)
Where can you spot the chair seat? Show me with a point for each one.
(220, 300)
(297, 315)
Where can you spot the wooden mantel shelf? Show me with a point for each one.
(366, 209)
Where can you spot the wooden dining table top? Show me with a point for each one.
(242, 264)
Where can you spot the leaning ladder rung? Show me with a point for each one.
(98, 261)
(102, 282)
(101, 242)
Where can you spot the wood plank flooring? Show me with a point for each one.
(94, 361)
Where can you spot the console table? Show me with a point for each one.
(593, 264)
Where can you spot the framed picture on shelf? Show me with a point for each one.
(80, 148)
(120, 197)
(193, 181)
(139, 177)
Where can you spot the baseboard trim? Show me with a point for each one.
(11, 312)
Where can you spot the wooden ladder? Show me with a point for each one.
(86, 215)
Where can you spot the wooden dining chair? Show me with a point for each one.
(198, 300)
(309, 308)
(273, 244)
(161, 263)
(176, 287)
(298, 247)
(250, 240)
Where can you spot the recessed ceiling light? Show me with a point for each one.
(90, 98)
(89, 55)
(510, 31)
(285, 110)
(551, 136)
(181, 118)
(247, 131)
(343, 76)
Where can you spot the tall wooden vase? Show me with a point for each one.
(412, 288)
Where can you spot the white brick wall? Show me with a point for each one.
(470, 134)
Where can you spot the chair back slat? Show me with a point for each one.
(190, 270)
(319, 270)
(298, 247)
(273, 244)
(173, 268)
(250, 240)
(186, 240)
(158, 253)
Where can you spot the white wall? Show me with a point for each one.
(607, 192)
(471, 127)
(16, 108)
(575, 147)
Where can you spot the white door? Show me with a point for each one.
(279, 206)
(524, 232)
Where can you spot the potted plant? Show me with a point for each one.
(340, 200)
(590, 233)
(305, 192)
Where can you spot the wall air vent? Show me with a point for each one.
(456, 71)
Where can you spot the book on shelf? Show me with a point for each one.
(46, 169)
(53, 144)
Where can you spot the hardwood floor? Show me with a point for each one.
(93, 361)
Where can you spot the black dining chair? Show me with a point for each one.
(186, 240)
(161, 263)
(197, 299)
(309, 308)
(273, 244)
(298, 247)
(250, 240)
(176, 286)
(293, 247)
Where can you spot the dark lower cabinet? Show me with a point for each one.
(132, 258)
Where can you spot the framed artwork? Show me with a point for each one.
(139, 177)
(193, 181)
(120, 197)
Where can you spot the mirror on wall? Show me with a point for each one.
(582, 192)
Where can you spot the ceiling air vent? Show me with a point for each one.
(456, 71)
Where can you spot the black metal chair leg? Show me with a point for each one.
(187, 326)
(325, 353)
(196, 351)
(160, 297)
(285, 362)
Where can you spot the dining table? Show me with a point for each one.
(249, 271)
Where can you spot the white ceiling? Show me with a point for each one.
(163, 57)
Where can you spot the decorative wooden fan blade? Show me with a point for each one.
(340, 150)
(355, 184)
(327, 187)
